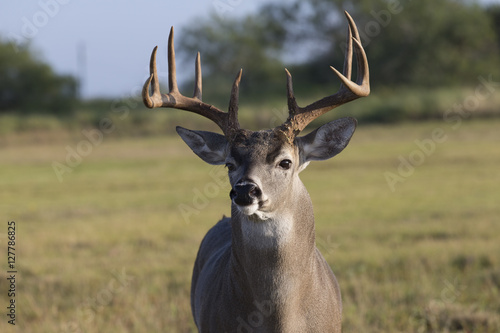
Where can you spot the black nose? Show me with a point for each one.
(244, 193)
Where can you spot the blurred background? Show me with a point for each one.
(111, 206)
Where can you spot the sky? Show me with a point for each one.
(115, 37)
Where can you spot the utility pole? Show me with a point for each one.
(81, 60)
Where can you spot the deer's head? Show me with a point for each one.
(263, 166)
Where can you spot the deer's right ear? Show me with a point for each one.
(210, 147)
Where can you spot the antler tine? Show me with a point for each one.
(227, 121)
(362, 86)
(292, 103)
(197, 84)
(348, 56)
(155, 99)
(300, 117)
(172, 75)
(233, 102)
(363, 74)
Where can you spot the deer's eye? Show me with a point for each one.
(230, 166)
(285, 164)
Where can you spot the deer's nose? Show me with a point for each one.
(244, 193)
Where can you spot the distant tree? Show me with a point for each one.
(29, 85)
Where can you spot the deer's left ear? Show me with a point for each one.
(327, 140)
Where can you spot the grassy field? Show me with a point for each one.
(410, 228)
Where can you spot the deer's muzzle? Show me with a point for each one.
(245, 193)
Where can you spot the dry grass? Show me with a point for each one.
(107, 249)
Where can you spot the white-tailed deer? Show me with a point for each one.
(260, 270)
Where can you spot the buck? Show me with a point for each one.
(259, 270)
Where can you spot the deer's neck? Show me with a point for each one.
(274, 258)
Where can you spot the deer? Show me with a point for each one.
(259, 270)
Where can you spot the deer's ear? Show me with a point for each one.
(210, 147)
(327, 140)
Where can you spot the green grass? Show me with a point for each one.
(108, 250)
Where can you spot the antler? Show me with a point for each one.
(300, 117)
(227, 121)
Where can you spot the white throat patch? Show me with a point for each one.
(267, 232)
